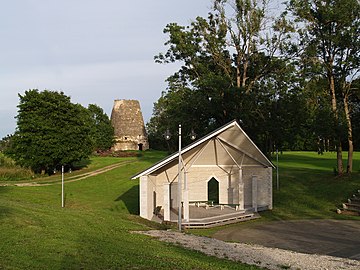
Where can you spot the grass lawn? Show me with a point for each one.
(309, 187)
(93, 231)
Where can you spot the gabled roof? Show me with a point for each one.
(233, 124)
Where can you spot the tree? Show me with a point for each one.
(230, 62)
(102, 132)
(330, 41)
(5, 143)
(51, 131)
(355, 111)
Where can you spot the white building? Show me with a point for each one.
(224, 168)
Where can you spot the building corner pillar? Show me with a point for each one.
(254, 193)
(241, 190)
(166, 204)
(144, 197)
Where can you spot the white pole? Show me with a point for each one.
(179, 181)
(277, 170)
(62, 186)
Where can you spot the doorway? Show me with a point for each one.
(213, 190)
(140, 146)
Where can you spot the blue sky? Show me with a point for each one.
(93, 50)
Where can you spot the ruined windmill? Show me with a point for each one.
(129, 128)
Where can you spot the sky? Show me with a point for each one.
(95, 51)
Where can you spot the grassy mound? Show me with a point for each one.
(93, 231)
(309, 189)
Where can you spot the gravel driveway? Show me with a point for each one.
(270, 258)
(339, 238)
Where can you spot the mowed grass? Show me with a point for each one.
(308, 187)
(93, 231)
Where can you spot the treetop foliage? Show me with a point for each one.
(271, 74)
(52, 131)
(102, 132)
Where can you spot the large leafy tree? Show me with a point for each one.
(102, 132)
(232, 68)
(51, 131)
(329, 34)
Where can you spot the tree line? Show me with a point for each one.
(292, 81)
(52, 131)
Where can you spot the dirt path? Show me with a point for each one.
(72, 178)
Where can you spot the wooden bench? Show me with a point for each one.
(235, 205)
(206, 203)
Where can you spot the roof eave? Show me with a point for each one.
(184, 150)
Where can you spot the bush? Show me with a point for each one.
(6, 161)
(15, 173)
(9, 171)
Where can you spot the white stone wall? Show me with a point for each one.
(197, 179)
(143, 185)
(264, 186)
(147, 189)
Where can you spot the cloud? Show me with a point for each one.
(93, 50)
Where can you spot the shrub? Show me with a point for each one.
(15, 173)
(9, 171)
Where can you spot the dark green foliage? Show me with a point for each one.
(5, 143)
(235, 68)
(102, 132)
(329, 49)
(51, 131)
(231, 70)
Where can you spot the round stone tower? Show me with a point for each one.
(128, 123)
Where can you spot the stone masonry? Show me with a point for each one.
(128, 123)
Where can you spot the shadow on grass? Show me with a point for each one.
(131, 200)
(311, 193)
(4, 211)
(77, 165)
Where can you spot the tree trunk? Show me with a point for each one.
(238, 76)
(244, 78)
(340, 166)
(350, 136)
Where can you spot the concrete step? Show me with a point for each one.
(354, 199)
(352, 207)
(347, 212)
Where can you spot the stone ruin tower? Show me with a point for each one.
(129, 128)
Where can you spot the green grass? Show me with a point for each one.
(309, 188)
(93, 231)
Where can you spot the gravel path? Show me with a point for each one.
(270, 258)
